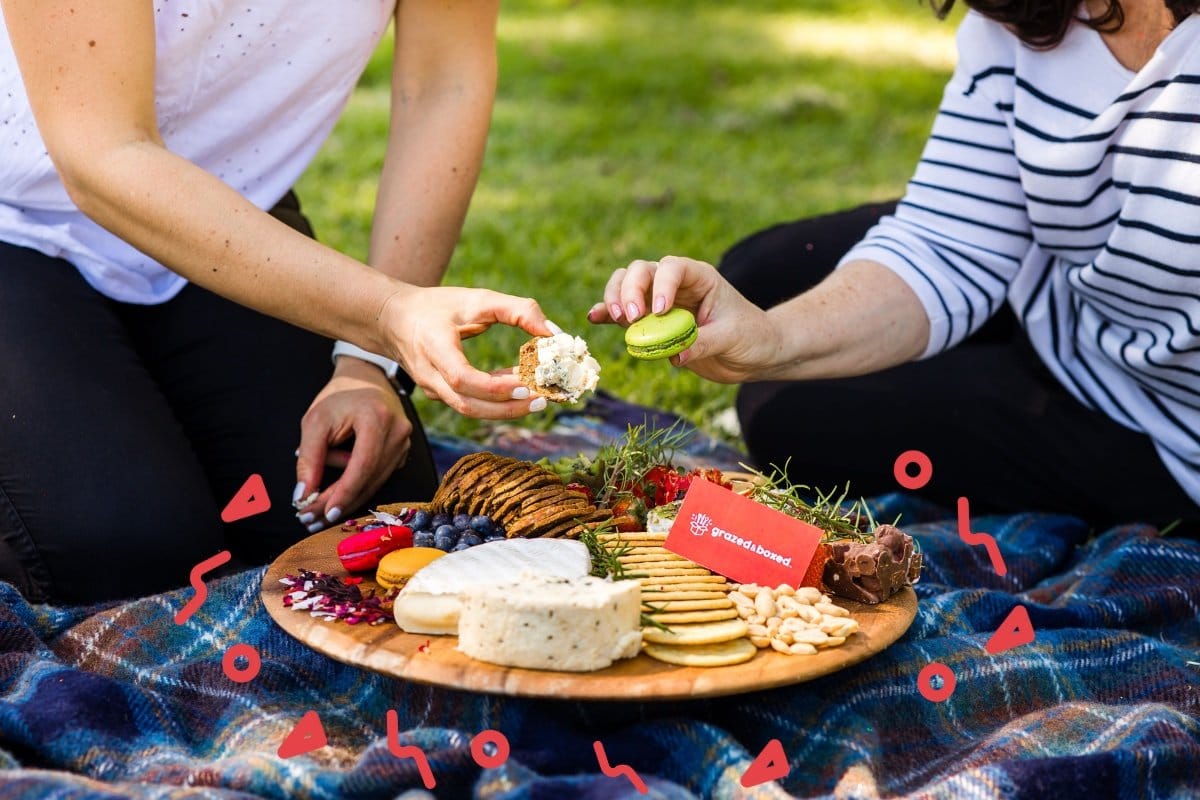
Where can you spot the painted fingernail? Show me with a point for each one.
(333, 514)
(633, 311)
(306, 517)
(520, 393)
(614, 311)
(297, 455)
(660, 303)
(594, 310)
(538, 404)
(316, 526)
(553, 328)
(298, 492)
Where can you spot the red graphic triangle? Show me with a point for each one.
(308, 735)
(771, 765)
(1015, 631)
(251, 499)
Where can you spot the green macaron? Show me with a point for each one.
(661, 335)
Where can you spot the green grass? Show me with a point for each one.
(629, 129)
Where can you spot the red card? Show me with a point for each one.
(743, 540)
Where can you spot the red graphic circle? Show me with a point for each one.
(924, 469)
(499, 748)
(253, 665)
(925, 682)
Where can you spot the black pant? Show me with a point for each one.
(125, 429)
(996, 424)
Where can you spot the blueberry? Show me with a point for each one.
(423, 539)
(421, 520)
(495, 537)
(370, 526)
(445, 537)
(438, 521)
(499, 530)
(481, 524)
(470, 538)
(462, 521)
(460, 546)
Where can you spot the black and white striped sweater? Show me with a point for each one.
(1066, 184)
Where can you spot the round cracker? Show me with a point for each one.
(662, 606)
(683, 617)
(650, 558)
(721, 654)
(651, 596)
(718, 580)
(697, 633)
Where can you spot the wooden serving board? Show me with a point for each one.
(435, 660)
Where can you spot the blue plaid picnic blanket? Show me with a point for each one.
(119, 701)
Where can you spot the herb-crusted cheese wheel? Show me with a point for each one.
(538, 622)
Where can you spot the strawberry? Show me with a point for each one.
(629, 512)
(586, 491)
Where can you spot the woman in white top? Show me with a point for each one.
(1058, 201)
(162, 308)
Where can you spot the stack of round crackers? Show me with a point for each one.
(690, 601)
(528, 500)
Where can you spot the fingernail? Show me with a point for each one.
(633, 311)
(306, 517)
(614, 311)
(538, 404)
(298, 492)
(297, 455)
(660, 303)
(333, 514)
(520, 393)
(553, 328)
(315, 527)
(594, 310)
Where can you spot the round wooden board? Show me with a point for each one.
(435, 660)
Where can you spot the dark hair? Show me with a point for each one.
(1043, 23)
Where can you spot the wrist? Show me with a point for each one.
(351, 360)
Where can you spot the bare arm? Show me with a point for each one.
(89, 72)
(860, 319)
(443, 87)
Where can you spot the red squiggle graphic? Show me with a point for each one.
(407, 750)
(985, 539)
(622, 770)
(197, 580)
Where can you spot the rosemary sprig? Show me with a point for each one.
(606, 562)
(643, 447)
(826, 510)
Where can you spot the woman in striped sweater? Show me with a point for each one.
(1028, 314)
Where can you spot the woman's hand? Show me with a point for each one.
(357, 402)
(425, 328)
(736, 341)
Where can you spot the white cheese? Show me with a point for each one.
(552, 623)
(565, 364)
(429, 602)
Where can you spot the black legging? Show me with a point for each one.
(998, 427)
(125, 429)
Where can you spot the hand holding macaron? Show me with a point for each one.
(697, 318)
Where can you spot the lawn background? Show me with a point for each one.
(631, 129)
